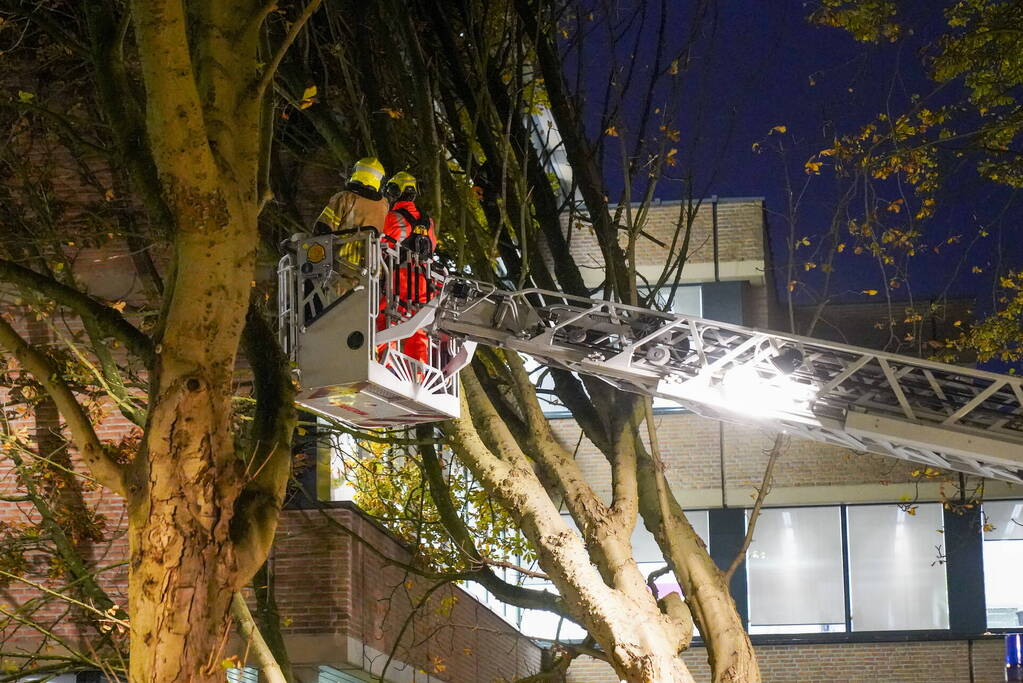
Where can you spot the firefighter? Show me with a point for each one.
(360, 204)
(411, 232)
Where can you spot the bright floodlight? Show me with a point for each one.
(746, 391)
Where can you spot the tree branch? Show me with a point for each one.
(780, 441)
(271, 68)
(104, 468)
(460, 534)
(268, 666)
(108, 320)
(561, 467)
(256, 510)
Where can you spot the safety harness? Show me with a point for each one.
(418, 241)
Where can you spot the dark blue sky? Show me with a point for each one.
(757, 64)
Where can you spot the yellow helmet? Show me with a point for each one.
(369, 172)
(400, 184)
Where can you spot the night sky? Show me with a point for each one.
(755, 65)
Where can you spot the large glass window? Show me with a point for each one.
(685, 299)
(1003, 563)
(794, 569)
(896, 574)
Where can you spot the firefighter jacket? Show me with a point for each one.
(354, 207)
(409, 228)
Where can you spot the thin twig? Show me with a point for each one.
(106, 616)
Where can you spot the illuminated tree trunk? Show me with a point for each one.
(203, 510)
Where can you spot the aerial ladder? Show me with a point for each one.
(342, 323)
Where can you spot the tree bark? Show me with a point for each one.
(729, 649)
(201, 509)
(641, 642)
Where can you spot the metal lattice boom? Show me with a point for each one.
(939, 415)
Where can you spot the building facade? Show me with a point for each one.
(857, 571)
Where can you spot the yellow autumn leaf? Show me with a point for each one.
(612, 131)
(308, 97)
(393, 113)
(841, 247)
(779, 129)
(118, 306)
(813, 167)
(870, 292)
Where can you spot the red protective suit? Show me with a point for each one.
(410, 286)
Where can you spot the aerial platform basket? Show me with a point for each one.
(335, 291)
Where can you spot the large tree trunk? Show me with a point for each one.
(729, 650)
(188, 478)
(179, 594)
(602, 587)
(197, 528)
(183, 492)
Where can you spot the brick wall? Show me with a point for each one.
(692, 449)
(929, 662)
(39, 426)
(740, 234)
(329, 584)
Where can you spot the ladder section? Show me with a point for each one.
(932, 413)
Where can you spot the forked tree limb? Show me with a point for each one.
(271, 68)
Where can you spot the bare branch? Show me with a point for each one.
(109, 321)
(271, 68)
(780, 442)
(106, 470)
(268, 665)
(105, 616)
(460, 534)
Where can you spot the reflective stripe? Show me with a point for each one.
(331, 218)
(359, 168)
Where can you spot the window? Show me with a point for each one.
(794, 570)
(687, 299)
(329, 674)
(896, 577)
(1003, 557)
